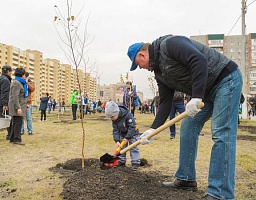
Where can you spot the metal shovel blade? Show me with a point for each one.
(107, 158)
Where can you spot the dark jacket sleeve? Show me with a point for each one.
(5, 89)
(116, 134)
(130, 123)
(165, 105)
(182, 50)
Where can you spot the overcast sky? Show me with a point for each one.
(116, 24)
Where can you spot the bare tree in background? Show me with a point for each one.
(75, 41)
(152, 84)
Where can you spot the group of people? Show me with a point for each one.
(185, 65)
(51, 104)
(130, 101)
(47, 104)
(179, 64)
(84, 104)
(15, 101)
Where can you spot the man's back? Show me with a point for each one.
(5, 83)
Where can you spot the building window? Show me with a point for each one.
(101, 93)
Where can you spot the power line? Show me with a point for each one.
(234, 24)
(240, 16)
(251, 3)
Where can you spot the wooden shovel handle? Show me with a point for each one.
(161, 128)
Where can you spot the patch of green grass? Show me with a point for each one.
(10, 182)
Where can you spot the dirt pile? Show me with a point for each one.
(93, 183)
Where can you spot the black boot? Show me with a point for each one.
(183, 185)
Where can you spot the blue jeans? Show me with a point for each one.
(176, 107)
(28, 119)
(134, 152)
(49, 108)
(222, 107)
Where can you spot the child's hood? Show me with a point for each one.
(123, 111)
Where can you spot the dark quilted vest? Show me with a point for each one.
(178, 77)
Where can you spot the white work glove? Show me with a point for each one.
(143, 139)
(191, 107)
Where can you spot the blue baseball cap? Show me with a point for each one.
(132, 52)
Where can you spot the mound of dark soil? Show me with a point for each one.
(93, 183)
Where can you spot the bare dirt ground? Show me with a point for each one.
(49, 165)
(115, 183)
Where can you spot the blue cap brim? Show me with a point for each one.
(132, 52)
(133, 67)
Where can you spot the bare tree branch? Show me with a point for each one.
(75, 45)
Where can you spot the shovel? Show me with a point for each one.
(108, 157)
(112, 160)
(159, 129)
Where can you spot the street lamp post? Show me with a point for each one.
(243, 64)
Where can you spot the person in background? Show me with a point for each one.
(177, 106)
(99, 106)
(94, 105)
(31, 88)
(252, 102)
(155, 103)
(43, 106)
(49, 105)
(73, 103)
(63, 105)
(90, 107)
(124, 128)
(85, 104)
(104, 106)
(242, 99)
(129, 97)
(5, 83)
(82, 106)
(18, 104)
(54, 104)
(183, 64)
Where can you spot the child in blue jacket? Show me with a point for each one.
(124, 128)
(43, 105)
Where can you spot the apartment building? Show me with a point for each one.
(231, 46)
(114, 92)
(108, 92)
(49, 75)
